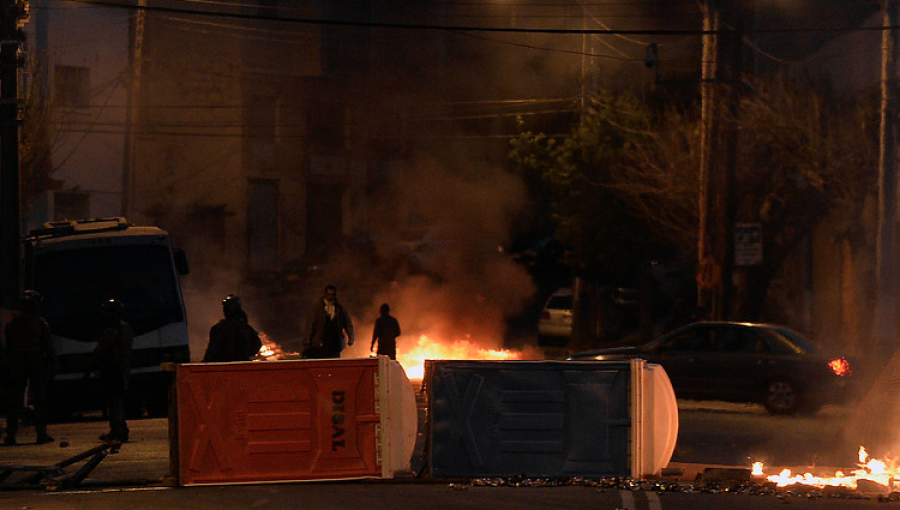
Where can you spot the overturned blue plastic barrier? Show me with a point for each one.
(549, 419)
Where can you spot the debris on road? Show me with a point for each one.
(54, 477)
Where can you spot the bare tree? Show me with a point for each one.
(803, 155)
(38, 136)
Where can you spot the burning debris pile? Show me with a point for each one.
(712, 481)
(413, 358)
(871, 475)
(860, 485)
(272, 350)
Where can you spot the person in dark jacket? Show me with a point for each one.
(386, 331)
(112, 359)
(327, 324)
(27, 360)
(232, 338)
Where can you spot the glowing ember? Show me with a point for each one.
(882, 472)
(413, 360)
(840, 367)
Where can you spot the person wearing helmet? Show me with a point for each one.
(232, 338)
(112, 360)
(27, 361)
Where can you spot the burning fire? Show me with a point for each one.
(840, 367)
(270, 350)
(882, 472)
(413, 360)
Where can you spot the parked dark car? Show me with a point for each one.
(742, 362)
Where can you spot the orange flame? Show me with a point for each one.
(270, 350)
(413, 360)
(882, 472)
(757, 469)
(840, 367)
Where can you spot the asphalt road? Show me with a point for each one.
(740, 434)
(410, 496)
(711, 434)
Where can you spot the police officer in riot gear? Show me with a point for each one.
(232, 338)
(27, 361)
(112, 360)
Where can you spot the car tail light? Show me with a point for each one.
(545, 316)
(840, 367)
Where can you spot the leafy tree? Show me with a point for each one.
(622, 186)
(616, 200)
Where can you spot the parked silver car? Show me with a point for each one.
(555, 324)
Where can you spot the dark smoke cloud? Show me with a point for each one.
(439, 237)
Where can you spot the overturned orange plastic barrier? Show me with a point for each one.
(298, 420)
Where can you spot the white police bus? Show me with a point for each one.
(76, 266)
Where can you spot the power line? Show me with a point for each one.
(472, 28)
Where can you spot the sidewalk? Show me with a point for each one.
(142, 461)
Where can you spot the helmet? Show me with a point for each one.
(32, 295)
(231, 306)
(113, 307)
(31, 300)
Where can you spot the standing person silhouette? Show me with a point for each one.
(232, 338)
(27, 361)
(112, 358)
(327, 324)
(386, 331)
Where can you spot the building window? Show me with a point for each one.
(262, 225)
(324, 219)
(72, 86)
(262, 118)
(326, 127)
(203, 237)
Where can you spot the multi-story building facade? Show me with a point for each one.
(258, 132)
(268, 136)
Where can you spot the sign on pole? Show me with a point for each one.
(748, 248)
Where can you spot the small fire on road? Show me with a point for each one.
(884, 472)
(270, 350)
(413, 359)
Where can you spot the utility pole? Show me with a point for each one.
(715, 250)
(708, 270)
(10, 251)
(132, 103)
(886, 241)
